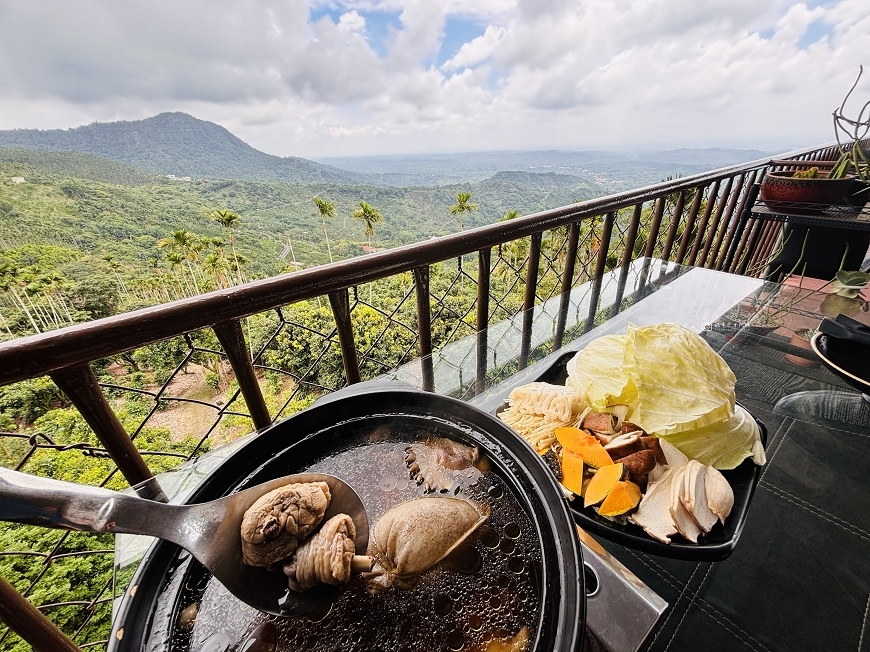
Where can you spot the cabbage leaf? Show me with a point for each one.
(598, 372)
(724, 444)
(682, 383)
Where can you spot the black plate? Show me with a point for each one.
(848, 360)
(718, 544)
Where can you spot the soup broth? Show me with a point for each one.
(489, 588)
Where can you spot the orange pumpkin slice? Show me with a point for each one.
(624, 497)
(601, 483)
(585, 444)
(572, 471)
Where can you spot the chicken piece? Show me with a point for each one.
(415, 535)
(430, 463)
(654, 512)
(275, 525)
(720, 496)
(325, 558)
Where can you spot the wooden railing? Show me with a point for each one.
(701, 220)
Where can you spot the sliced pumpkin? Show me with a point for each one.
(624, 497)
(585, 444)
(601, 483)
(572, 471)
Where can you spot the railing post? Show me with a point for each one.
(529, 298)
(675, 224)
(714, 227)
(424, 326)
(712, 196)
(690, 224)
(30, 623)
(82, 388)
(340, 302)
(603, 247)
(720, 255)
(656, 225)
(741, 225)
(627, 254)
(567, 284)
(232, 339)
(484, 259)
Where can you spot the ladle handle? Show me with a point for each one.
(34, 500)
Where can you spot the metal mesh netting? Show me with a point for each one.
(179, 398)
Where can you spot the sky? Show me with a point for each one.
(322, 78)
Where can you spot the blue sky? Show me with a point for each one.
(320, 78)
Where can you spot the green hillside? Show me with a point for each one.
(74, 246)
(37, 163)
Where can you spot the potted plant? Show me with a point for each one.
(811, 184)
(801, 339)
(846, 295)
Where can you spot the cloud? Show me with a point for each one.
(315, 79)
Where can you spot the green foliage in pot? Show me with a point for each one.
(845, 297)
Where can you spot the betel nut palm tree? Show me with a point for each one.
(462, 207)
(370, 216)
(326, 209)
(229, 220)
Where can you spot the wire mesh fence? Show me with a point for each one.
(179, 398)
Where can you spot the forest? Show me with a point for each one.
(83, 238)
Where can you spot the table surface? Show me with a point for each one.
(800, 576)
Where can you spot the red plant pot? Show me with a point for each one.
(778, 189)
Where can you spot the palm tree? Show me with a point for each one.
(229, 220)
(370, 215)
(185, 245)
(327, 209)
(462, 207)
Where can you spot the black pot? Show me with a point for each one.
(148, 615)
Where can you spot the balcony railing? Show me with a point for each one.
(312, 331)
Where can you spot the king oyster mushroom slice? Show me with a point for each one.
(415, 535)
(654, 512)
(720, 496)
(279, 520)
(326, 557)
(694, 495)
(683, 520)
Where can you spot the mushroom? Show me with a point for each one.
(327, 557)
(274, 526)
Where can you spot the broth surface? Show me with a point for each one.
(487, 589)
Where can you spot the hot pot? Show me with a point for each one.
(149, 614)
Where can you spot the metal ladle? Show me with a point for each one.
(211, 531)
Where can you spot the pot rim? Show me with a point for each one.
(563, 592)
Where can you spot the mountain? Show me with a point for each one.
(612, 171)
(179, 144)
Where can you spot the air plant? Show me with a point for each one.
(853, 160)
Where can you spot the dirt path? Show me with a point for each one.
(188, 419)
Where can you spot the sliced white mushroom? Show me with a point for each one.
(654, 512)
(720, 496)
(683, 520)
(674, 455)
(695, 495)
